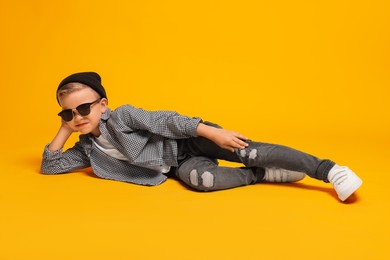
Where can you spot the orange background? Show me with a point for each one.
(313, 75)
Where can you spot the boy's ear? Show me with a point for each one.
(104, 103)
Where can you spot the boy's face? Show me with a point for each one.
(89, 123)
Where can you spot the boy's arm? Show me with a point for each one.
(173, 125)
(61, 137)
(169, 124)
(226, 139)
(55, 161)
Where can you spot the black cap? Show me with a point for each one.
(91, 79)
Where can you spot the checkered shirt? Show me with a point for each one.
(146, 138)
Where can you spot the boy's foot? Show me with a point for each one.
(282, 175)
(344, 181)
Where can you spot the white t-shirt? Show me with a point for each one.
(106, 147)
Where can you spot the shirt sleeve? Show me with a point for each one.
(169, 124)
(75, 158)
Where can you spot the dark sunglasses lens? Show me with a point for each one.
(84, 109)
(67, 115)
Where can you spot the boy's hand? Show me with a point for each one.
(226, 139)
(65, 127)
(61, 137)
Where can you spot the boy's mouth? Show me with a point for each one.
(81, 125)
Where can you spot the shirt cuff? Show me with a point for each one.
(192, 126)
(48, 154)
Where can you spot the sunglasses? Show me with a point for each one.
(82, 110)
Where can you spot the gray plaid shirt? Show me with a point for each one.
(146, 138)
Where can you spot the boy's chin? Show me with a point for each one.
(85, 132)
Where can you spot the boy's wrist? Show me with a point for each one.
(204, 130)
(61, 137)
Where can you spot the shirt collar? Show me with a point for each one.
(106, 115)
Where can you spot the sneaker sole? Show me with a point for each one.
(297, 176)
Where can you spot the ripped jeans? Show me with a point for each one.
(198, 166)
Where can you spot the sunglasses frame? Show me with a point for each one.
(63, 113)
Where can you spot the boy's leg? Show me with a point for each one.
(269, 156)
(262, 155)
(204, 174)
(278, 156)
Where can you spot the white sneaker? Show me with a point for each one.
(344, 181)
(282, 175)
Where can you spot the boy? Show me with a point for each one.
(138, 146)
